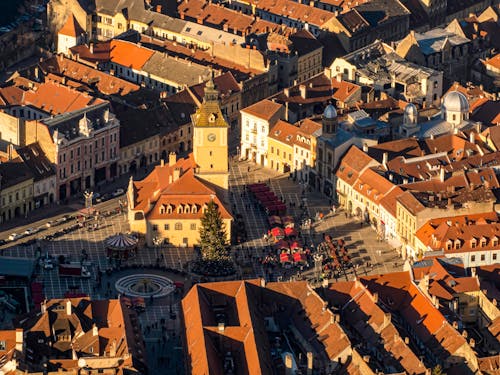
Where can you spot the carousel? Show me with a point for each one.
(121, 246)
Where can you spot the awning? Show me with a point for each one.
(290, 232)
(295, 245)
(284, 257)
(121, 241)
(17, 267)
(277, 232)
(298, 257)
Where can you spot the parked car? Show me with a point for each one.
(31, 231)
(118, 192)
(14, 236)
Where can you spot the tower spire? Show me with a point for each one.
(211, 93)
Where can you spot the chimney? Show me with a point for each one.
(366, 358)
(435, 301)
(172, 159)
(221, 327)
(68, 307)
(177, 174)
(19, 339)
(375, 297)
(365, 147)
(288, 364)
(303, 91)
(407, 340)
(262, 282)
(339, 77)
(455, 324)
(385, 159)
(424, 284)
(91, 48)
(464, 333)
(472, 342)
(43, 306)
(162, 162)
(37, 73)
(158, 9)
(112, 349)
(95, 330)
(286, 111)
(473, 272)
(441, 174)
(472, 137)
(286, 91)
(309, 363)
(455, 306)
(387, 319)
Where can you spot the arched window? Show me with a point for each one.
(170, 209)
(179, 209)
(187, 209)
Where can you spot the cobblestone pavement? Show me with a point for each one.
(368, 254)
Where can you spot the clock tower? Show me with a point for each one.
(210, 133)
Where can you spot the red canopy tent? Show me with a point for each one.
(295, 245)
(277, 232)
(299, 257)
(285, 257)
(290, 232)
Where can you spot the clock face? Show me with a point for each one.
(211, 137)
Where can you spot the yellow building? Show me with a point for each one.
(280, 143)
(168, 204)
(16, 190)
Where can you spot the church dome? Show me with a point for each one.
(330, 112)
(455, 101)
(411, 110)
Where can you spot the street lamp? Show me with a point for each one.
(88, 195)
(157, 243)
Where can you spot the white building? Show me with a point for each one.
(256, 120)
(70, 35)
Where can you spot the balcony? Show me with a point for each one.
(253, 130)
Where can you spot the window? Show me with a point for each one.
(495, 256)
(178, 226)
(166, 226)
(472, 258)
(193, 226)
(473, 244)
(483, 257)
(155, 228)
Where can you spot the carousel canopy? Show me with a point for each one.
(121, 241)
(284, 257)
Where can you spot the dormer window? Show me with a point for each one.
(482, 242)
(211, 118)
(205, 208)
(187, 209)
(169, 209)
(180, 209)
(162, 209)
(194, 208)
(457, 244)
(473, 243)
(494, 241)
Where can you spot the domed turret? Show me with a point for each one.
(330, 112)
(329, 120)
(455, 107)
(410, 115)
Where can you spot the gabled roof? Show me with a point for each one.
(71, 27)
(265, 109)
(129, 55)
(284, 132)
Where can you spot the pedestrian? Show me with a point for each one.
(248, 169)
(345, 215)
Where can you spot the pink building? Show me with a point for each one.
(83, 145)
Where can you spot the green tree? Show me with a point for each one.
(213, 235)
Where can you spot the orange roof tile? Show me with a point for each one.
(71, 27)
(265, 109)
(129, 54)
(284, 132)
(494, 61)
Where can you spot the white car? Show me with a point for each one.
(47, 264)
(14, 236)
(31, 231)
(118, 192)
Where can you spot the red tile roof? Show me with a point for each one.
(265, 109)
(71, 27)
(129, 54)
